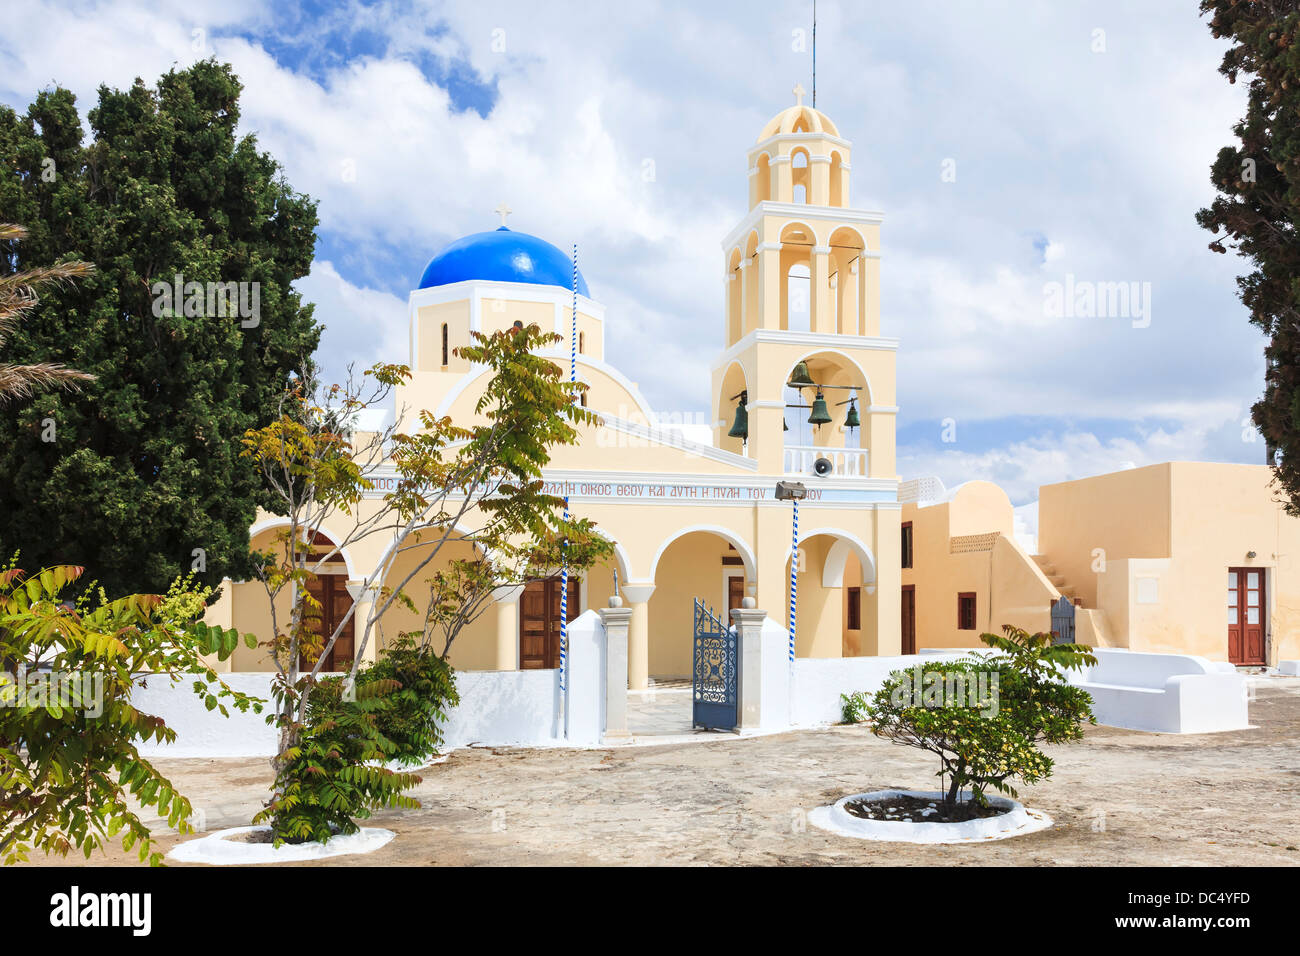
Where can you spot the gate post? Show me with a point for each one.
(615, 620)
(749, 626)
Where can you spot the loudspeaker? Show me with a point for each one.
(823, 467)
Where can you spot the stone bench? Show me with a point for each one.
(1164, 693)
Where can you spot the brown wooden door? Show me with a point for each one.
(909, 618)
(332, 592)
(735, 593)
(539, 622)
(1246, 610)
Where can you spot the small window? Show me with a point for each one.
(582, 342)
(445, 351)
(966, 611)
(907, 544)
(582, 398)
(855, 609)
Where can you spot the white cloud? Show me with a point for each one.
(1108, 154)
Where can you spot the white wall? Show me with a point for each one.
(201, 732)
(819, 682)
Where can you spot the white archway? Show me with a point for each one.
(846, 543)
(746, 555)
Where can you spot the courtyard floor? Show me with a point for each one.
(1118, 798)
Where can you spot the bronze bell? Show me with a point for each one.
(821, 415)
(800, 378)
(740, 428)
(851, 420)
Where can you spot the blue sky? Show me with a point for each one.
(1081, 136)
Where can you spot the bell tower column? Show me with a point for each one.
(769, 285)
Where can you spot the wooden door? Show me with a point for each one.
(909, 618)
(332, 593)
(539, 622)
(735, 593)
(1246, 610)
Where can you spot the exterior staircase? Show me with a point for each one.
(1057, 579)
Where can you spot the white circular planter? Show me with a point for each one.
(218, 850)
(1015, 822)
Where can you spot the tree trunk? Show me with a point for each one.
(950, 801)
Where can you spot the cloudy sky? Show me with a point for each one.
(1080, 134)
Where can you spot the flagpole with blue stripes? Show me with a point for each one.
(564, 569)
(794, 576)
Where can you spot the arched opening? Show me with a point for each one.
(750, 285)
(846, 266)
(798, 288)
(844, 397)
(715, 567)
(837, 597)
(735, 327)
(797, 240)
(731, 410)
(800, 176)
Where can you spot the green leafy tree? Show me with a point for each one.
(1257, 211)
(71, 773)
(144, 480)
(984, 716)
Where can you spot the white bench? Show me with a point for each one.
(1165, 693)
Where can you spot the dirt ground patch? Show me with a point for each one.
(1117, 798)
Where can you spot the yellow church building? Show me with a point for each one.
(803, 389)
(688, 519)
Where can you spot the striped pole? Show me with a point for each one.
(794, 575)
(564, 569)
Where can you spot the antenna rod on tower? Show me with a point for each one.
(814, 54)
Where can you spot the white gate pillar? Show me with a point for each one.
(765, 669)
(616, 620)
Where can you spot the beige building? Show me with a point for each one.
(1181, 557)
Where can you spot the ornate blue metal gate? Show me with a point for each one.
(715, 681)
(1063, 621)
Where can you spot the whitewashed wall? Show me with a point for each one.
(201, 732)
(819, 682)
(497, 708)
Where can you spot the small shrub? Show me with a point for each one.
(409, 717)
(329, 778)
(984, 717)
(334, 775)
(853, 707)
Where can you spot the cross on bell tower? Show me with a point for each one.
(503, 211)
(799, 92)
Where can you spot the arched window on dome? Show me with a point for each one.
(446, 352)
(799, 176)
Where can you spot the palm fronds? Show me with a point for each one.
(18, 296)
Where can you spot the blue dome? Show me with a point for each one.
(502, 256)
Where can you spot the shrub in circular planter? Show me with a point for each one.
(334, 774)
(984, 716)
